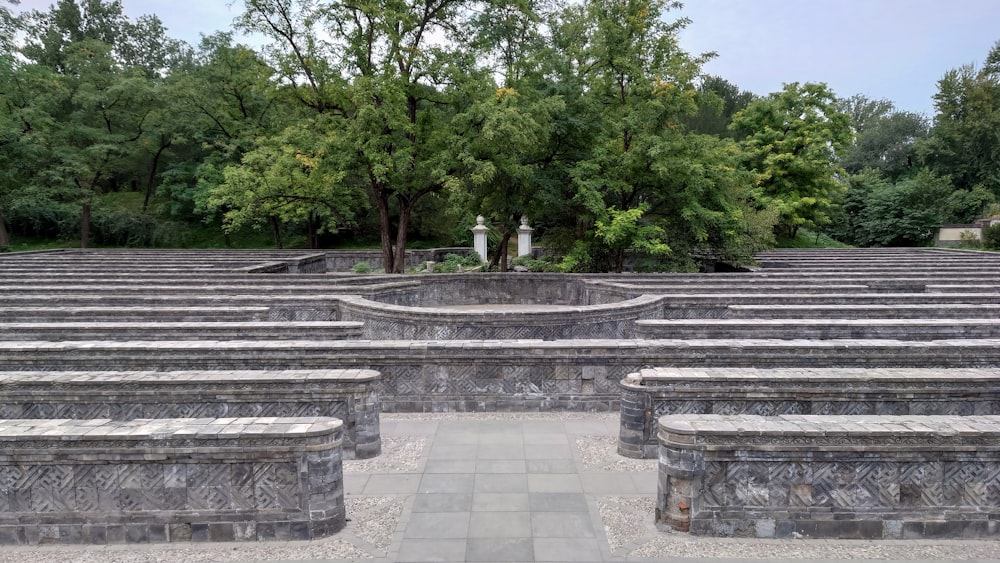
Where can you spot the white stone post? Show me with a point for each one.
(524, 238)
(479, 237)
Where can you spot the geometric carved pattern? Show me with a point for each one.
(275, 486)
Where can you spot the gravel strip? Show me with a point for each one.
(600, 453)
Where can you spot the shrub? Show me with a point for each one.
(991, 237)
(362, 268)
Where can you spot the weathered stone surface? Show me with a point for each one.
(161, 480)
(870, 477)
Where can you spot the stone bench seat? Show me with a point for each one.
(864, 477)
(147, 314)
(350, 395)
(650, 393)
(170, 480)
(168, 330)
(819, 329)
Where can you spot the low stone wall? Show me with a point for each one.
(493, 322)
(483, 375)
(652, 393)
(345, 260)
(168, 330)
(819, 329)
(866, 477)
(169, 480)
(349, 395)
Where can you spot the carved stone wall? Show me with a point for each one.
(349, 395)
(166, 480)
(651, 393)
(871, 477)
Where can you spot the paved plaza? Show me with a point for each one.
(508, 487)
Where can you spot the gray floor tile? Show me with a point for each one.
(547, 452)
(500, 525)
(442, 502)
(645, 482)
(354, 483)
(414, 550)
(555, 483)
(562, 549)
(450, 466)
(501, 439)
(455, 451)
(545, 438)
(551, 466)
(561, 525)
(500, 466)
(447, 483)
(500, 549)
(494, 502)
(380, 483)
(438, 525)
(500, 451)
(501, 483)
(557, 502)
(456, 439)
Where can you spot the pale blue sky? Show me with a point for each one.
(895, 49)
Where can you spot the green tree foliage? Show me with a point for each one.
(288, 178)
(718, 101)
(885, 139)
(965, 138)
(796, 137)
(646, 185)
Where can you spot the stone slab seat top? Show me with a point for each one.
(178, 330)
(864, 477)
(165, 480)
(347, 394)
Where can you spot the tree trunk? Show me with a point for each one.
(399, 265)
(85, 224)
(276, 230)
(152, 176)
(385, 229)
(4, 235)
(619, 260)
(311, 231)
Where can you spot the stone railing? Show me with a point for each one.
(870, 477)
(349, 395)
(170, 480)
(651, 393)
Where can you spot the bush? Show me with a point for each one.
(542, 264)
(362, 268)
(991, 237)
(456, 263)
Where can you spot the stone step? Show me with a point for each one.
(859, 311)
(149, 314)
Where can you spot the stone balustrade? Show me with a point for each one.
(170, 480)
(865, 477)
(349, 395)
(651, 393)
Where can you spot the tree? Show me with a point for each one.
(389, 77)
(288, 178)
(646, 185)
(718, 101)
(965, 137)
(796, 137)
(885, 139)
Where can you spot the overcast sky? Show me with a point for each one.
(895, 49)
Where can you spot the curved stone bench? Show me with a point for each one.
(651, 393)
(349, 395)
(170, 480)
(870, 477)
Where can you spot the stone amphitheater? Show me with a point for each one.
(177, 401)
